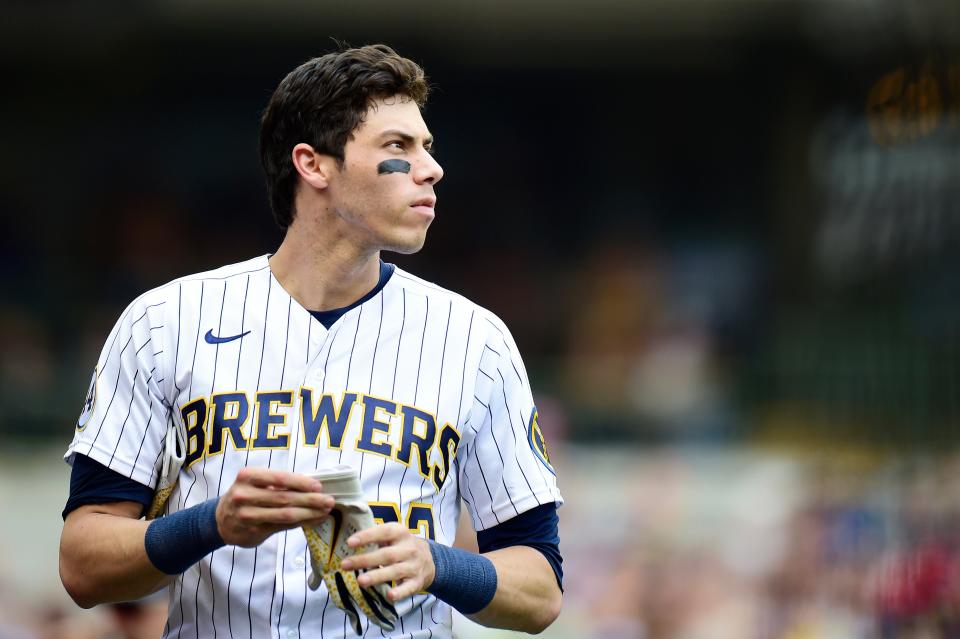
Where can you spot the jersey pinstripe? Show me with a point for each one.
(419, 388)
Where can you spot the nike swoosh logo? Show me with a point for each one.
(213, 339)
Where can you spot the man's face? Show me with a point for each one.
(384, 191)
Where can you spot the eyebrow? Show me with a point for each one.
(406, 137)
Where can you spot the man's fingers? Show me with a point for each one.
(407, 582)
(287, 517)
(407, 588)
(267, 478)
(384, 534)
(380, 557)
(284, 499)
(384, 575)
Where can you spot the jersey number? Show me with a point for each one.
(419, 516)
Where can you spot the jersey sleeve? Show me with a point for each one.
(505, 469)
(124, 416)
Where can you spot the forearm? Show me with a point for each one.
(108, 554)
(103, 558)
(527, 596)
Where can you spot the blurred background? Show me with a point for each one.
(723, 232)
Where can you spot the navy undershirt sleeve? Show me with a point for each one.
(93, 483)
(536, 528)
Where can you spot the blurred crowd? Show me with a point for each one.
(753, 545)
(143, 619)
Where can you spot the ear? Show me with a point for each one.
(315, 168)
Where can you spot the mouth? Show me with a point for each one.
(424, 207)
(425, 202)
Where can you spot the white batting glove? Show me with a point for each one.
(328, 548)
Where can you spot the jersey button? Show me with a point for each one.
(292, 634)
(317, 376)
(298, 562)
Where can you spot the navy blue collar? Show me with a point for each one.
(329, 318)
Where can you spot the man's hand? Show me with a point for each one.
(402, 558)
(262, 502)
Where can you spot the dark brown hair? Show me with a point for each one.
(320, 103)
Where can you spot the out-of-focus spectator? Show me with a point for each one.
(641, 352)
(27, 369)
(141, 619)
(617, 300)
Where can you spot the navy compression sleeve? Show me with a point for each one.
(93, 483)
(537, 528)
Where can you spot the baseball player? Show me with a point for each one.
(318, 355)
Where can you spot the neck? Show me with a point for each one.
(323, 273)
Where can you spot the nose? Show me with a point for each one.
(428, 170)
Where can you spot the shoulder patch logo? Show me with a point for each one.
(537, 443)
(88, 403)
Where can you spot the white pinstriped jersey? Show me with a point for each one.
(419, 388)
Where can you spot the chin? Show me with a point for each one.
(404, 249)
(405, 245)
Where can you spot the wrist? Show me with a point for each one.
(465, 580)
(175, 542)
